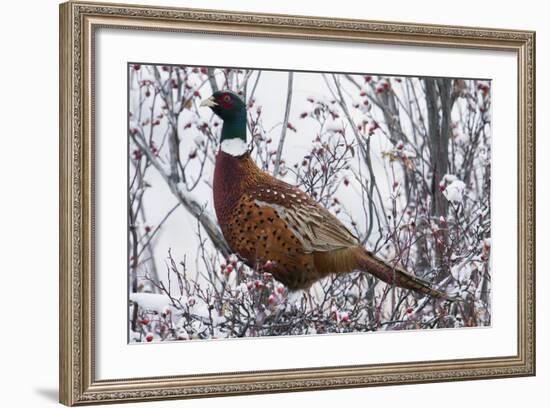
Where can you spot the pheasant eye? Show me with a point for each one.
(226, 98)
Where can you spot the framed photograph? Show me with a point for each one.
(256, 203)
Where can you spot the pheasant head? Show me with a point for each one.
(232, 110)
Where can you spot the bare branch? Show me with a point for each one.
(285, 125)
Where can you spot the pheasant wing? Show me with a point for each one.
(313, 225)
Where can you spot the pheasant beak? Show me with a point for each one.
(210, 102)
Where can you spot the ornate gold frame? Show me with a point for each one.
(77, 24)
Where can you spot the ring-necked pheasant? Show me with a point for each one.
(265, 219)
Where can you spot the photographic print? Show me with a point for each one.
(279, 203)
(336, 187)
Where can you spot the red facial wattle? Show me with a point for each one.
(225, 101)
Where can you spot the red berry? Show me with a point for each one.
(409, 310)
(346, 181)
(272, 299)
(280, 290)
(144, 321)
(137, 67)
(204, 70)
(147, 93)
(368, 78)
(147, 229)
(149, 338)
(303, 115)
(229, 269)
(197, 94)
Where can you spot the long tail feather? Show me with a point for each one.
(396, 276)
